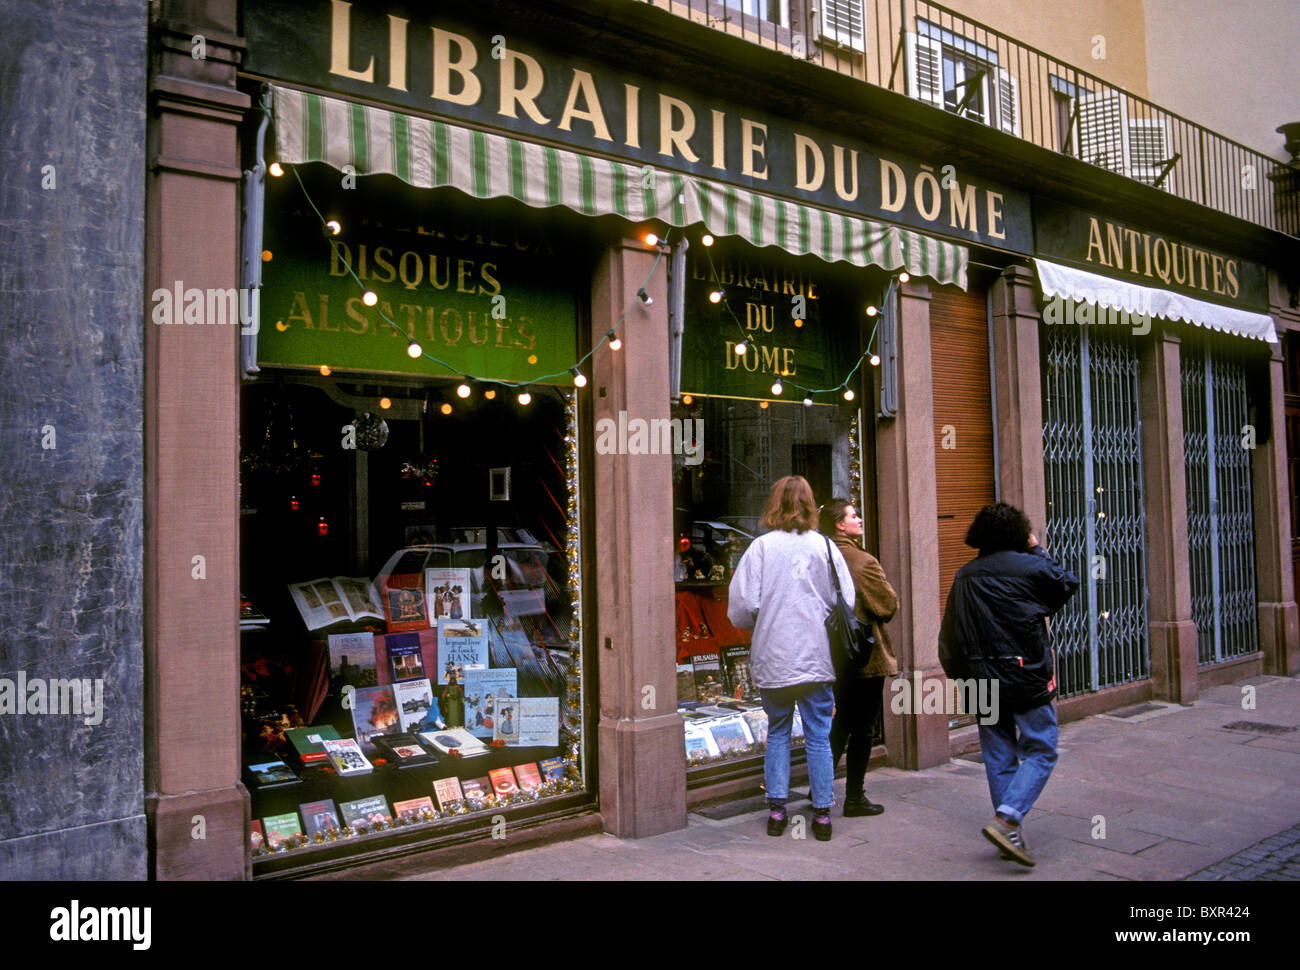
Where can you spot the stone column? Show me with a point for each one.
(196, 806)
(1169, 576)
(1019, 394)
(1279, 624)
(642, 756)
(909, 534)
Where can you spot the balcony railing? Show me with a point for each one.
(934, 55)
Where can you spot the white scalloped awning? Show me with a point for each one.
(1084, 287)
(432, 154)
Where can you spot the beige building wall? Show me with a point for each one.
(1073, 31)
(1231, 65)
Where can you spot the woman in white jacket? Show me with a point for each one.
(783, 589)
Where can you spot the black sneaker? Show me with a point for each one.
(776, 823)
(822, 830)
(859, 805)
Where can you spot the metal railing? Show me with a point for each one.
(930, 53)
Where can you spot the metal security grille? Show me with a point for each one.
(1220, 520)
(1096, 520)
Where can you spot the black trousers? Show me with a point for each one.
(857, 705)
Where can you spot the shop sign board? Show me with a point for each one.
(417, 59)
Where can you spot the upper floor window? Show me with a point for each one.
(957, 74)
(1098, 127)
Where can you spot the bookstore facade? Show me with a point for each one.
(535, 334)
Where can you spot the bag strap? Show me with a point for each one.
(830, 572)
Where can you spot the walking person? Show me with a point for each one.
(782, 590)
(994, 628)
(859, 694)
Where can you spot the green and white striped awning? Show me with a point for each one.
(435, 154)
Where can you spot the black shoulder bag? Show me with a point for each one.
(852, 641)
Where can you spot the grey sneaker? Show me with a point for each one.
(1008, 839)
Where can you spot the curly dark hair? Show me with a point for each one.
(999, 527)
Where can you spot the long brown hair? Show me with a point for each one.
(790, 506)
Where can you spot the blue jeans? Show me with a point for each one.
(816, 704)
(1018, 769)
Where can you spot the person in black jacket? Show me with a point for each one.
(994, 630)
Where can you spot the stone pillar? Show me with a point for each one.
(1279, 624)
(1169, 575)
(1019, 394)
(640, 734)
(909, 533)
(71, 456)
(196, 806)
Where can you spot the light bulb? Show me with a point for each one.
(763, 405)
(445, 409)
(370, 298)
(324, 370)
(385, 403)
(742, 347)
(646, 298)
(687, 399)
(276, 169)
(872, 311)
(651, 239)
(266, 255)
(715, 296)
(525, 398)
(903, 277)
(334, 227)
(614, 342)
(875, 360)
(707, 239)
(777, 386)
(413, 350)
(807, 402)
(848, 394)
(490, 394)
(463, 390)
(579, 378)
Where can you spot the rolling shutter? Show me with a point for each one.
(959, 352)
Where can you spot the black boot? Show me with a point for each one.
(859, 805)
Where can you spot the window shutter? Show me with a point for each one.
(925, 69)
(1148, 151)
(1102, 130)
(843, 23)
(1008, 103)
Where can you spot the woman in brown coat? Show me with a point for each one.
(859, 694)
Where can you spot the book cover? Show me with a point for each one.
(281, 828)
(552, 768)
(708, 677)
(455, 741)
(413, 699)
(308, 741)
(272, 774)
(319, 816)
(503, 781)
(539, 721)
(250, 616)
(757, 721)
(447, 792)
(685, 682)
(731, 735)
(256, 837)
(413, 808)
(374, 711)
(462, 645)
(484, 692)
(322, 602)
(347, 758)
(352, 659)
(447, 591)
(505, 726)
(528, 776)
(699, 743)
(476, 789)
(404, 605)
(403, 750)
(405, 657)
(369, 812)
(740, 681)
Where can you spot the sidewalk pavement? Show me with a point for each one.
(1161, 794)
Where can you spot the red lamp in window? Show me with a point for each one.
(293, 503)
(322, 527)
